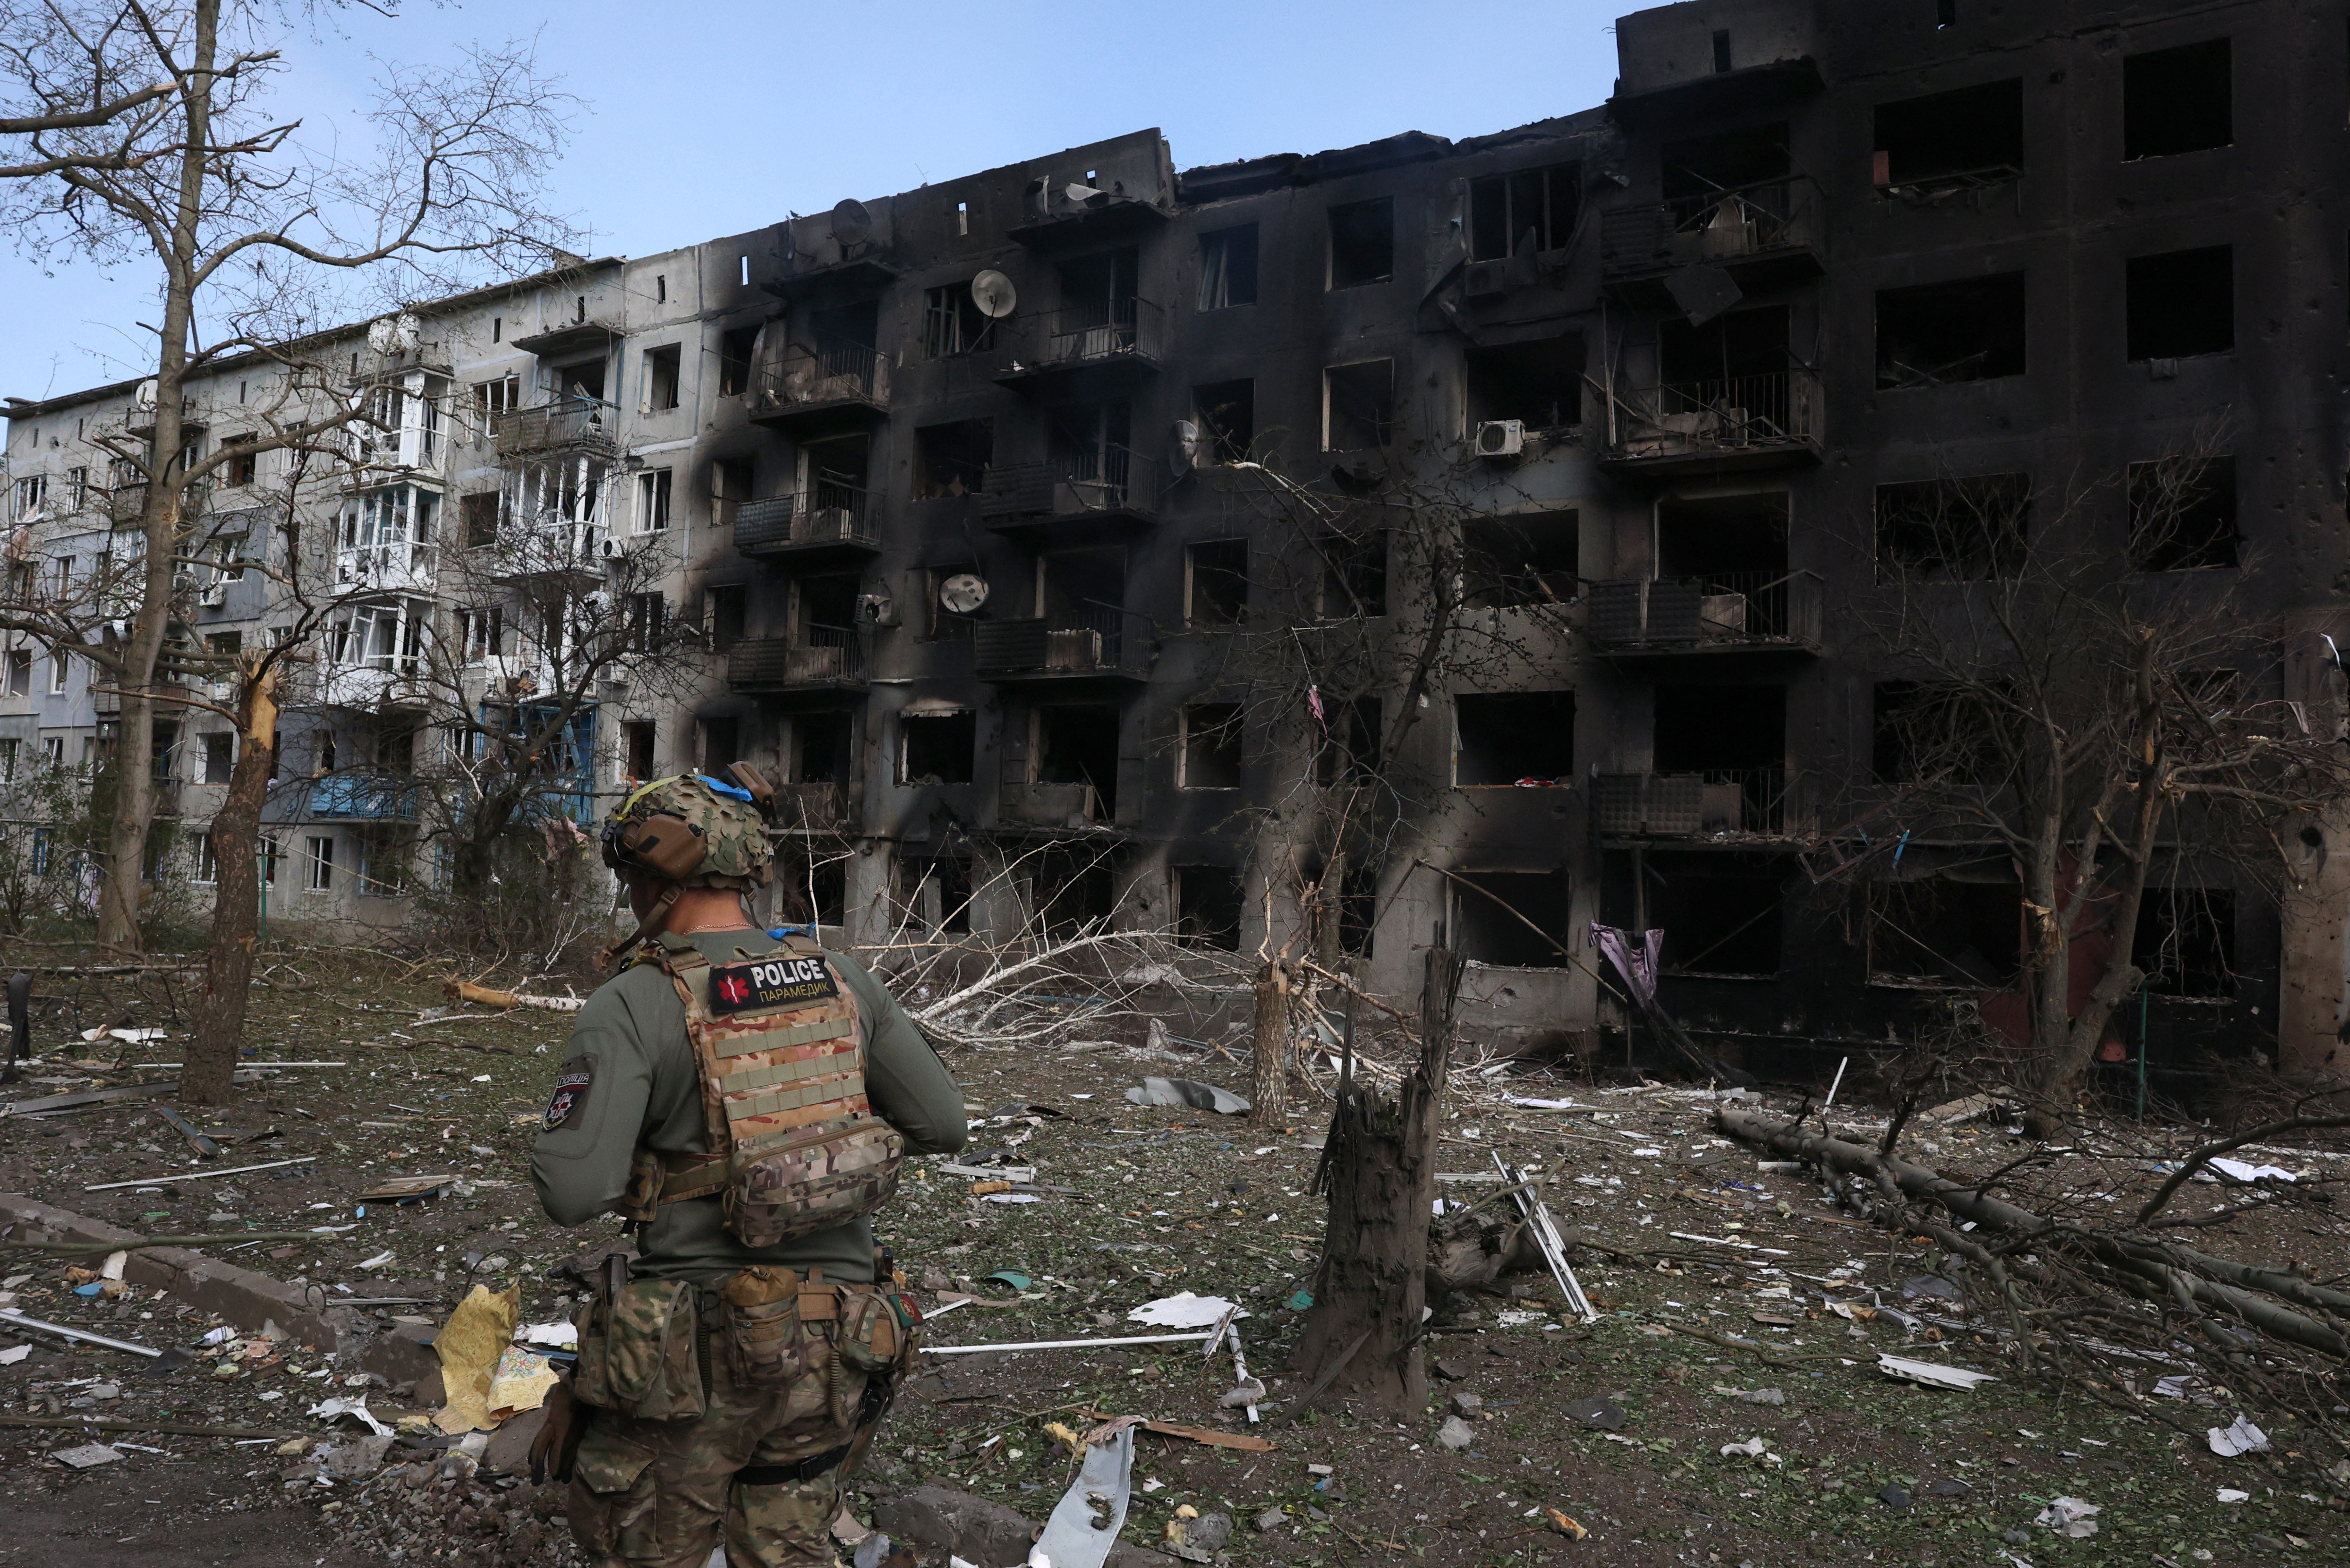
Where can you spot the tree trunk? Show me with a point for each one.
(1378, 1169)
(1269, 1051)
(207, 1078)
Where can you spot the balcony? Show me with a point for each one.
(1084, 221)
(581, 425)
(827, 387)
(1071, 494)
(400, 566)
(1056, 806)
(1092, 643)
(1723, 425)
(813, 808)
(830, 519)
(377, 682)
(822, 659)
(550, 545)
(1718, 805)
(1723, 613)
(868, 271)
(573, 340)
(1100, 345)
(1764, 236)
(346, 797)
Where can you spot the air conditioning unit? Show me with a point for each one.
(215, 597)
(613, 549)
(1500, 437)
(876, 609)
(1485, 280)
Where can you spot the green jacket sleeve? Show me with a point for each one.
(909, 1086)
(581, 1166)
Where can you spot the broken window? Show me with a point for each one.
(953, 322)
(1504, 739)
(1212, 746)
(1967, 329)
(951, 459)
(1735, 738)
(729, 608)
(1960, 929)
(1539, 383)
(2182, 513)
(939, 746)
(1358, 908)
(661, 374)
(1347, 742)
(1362, 243)
(1959, 530)
(1721, 913)
(813, 888)
(1354, 575)
(826, 605)
(1208, 907)
(729, 486)
(1518, 214)
(1358, 407)
(2177, 100)
(1092, 443)
(1949, 140)
(1227, 411)
(820, 750)
(1077, 744)
(1072, 888)
(857, 325)
(2186, 941)
(477, 514)
(220, 758)
(1515, 920)
(1698, 172)
(1510, 562)
(637, 761)
(722, 742)
(1217, 591)
(1228, 267)
(2181, 302)
(738, 350)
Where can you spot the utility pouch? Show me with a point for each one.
(871, 1339)
(643, 1363)
(766, 1346)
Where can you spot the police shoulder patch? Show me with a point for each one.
(786, 979)
(572, 1081)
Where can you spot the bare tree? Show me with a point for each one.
(247, 228)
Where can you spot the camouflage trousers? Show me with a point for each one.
(661, 1494)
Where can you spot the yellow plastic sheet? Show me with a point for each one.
(470, 1345)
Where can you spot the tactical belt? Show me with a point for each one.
(806, 1471)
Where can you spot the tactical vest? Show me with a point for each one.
(794, 1145)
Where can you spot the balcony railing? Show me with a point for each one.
(1051, 805)
(821, 657)
(812, 808)
(1775, 218)
(567, 424)
(827, 513)
(399, 565)
(827, 378)
(360, 797)
(1746, 419)
(1714, 803)
(1124, 331)
(1716, 612)
(1090, 640)
(1112, 480)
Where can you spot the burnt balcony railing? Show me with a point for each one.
(1718, 612)
(1775, 218)
(1773, 417)
(822, 657)
(1712, 803)
(1090, 640)
(566, 424)
(1110, 479)
(828, 515)
(1100, 333)
(1052, 806)
(812, 808)
(827, 378)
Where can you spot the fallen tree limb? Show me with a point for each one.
(466, 991)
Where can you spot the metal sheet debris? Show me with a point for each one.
(1931, 1374)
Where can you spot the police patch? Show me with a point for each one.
(571, 1082)
(787, 980)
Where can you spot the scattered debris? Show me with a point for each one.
(178, 1176)
(1185, 1310)
(469, 1347)
(1456, 1433)
(1598, 1413)
(1188, 1092)
(1931, 1374)
(2069, 1516)
(2241, 1437)
(1564, 1525)
(409, 1189)
(482, 995)
(89, 1456)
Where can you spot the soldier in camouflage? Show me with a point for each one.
(722, 1380)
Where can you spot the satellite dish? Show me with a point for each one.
(994, 293)
(963, 592)
(380, 335)
(851, 223)
(147, 393)
(406, 332)
(1079, 195)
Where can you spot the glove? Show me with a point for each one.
(551, 1452)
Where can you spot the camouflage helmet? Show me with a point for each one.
(695, 831)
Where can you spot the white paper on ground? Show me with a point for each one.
(1184, 1310)
(1931, 1374)
(2243, 1438)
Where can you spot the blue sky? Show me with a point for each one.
(713, 116)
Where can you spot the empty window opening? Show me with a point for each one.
(857, 325)
(1740, 356)
(1078, 744)
(1921, 730)
(1359, 405)
(638, 761)
(1506, 739)
(1362, 243)
(730, 605)
(1721, 50)
(1949, 140)
(722, 742)
(1539, 383)
(1347, 742)
(661, 367)
(220, 758)
(952, 881)
(729, 485)
(1953, 529)
(1227, 411)
(962, 218)
(1228, 267)
(2183, 514)
(820, 750)
(951, 459)
(738, 350)
(1216, 591)
(1212, 746)
(1358, 908)
(584, 381)
(832, 474)
(1208, 907)
(1722, 914)
(953, 322)
(1513, 561)
(660, 288)
(1354, 573)
(1486, 923)
(812, 888)
(2181, 302)
(1071, 887)
(2186, 941)
(1735, 738)
(2177, 100)
(1733, 549)
(826, 605)
(938, 747)
(1098, 292)
(385, 856)
(1967, 329)
(1082, 589)
(1092, 443)
(1698, 172)
(1518, 214)
(1961, 929)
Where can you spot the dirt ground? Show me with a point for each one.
(1687, 1236)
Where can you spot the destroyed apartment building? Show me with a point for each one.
(1067, 537)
